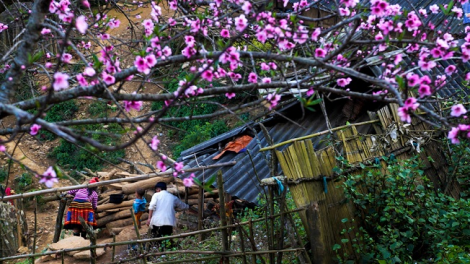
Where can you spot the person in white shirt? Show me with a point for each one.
(162, 211)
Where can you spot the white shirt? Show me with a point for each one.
(163, 205)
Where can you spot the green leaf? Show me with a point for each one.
(336, 247)
(344, 220)
(344, 240)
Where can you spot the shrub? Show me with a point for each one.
(23, 182)
(404, 217)
(76, 158)
(59, 112)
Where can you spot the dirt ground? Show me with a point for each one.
(33, 154)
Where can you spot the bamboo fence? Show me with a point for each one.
(310, 172)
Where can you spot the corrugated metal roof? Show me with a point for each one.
(453, 26)
(242, 179)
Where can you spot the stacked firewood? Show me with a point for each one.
(115, 216)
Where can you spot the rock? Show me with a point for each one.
(45, 259)
(70, 242)
(23, 250)
(86, 254)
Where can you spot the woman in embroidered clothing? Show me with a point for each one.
(84, 205)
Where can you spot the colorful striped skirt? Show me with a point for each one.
(76, 209)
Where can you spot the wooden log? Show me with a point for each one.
(124, 222)
(58, 223)
(103, 201)
(145, 184)
(113, 217)
(108, 193)
(116, 186)
(180, 190)
(105, 207)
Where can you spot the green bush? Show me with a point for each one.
(3, 174)
(404, 218)
(98, 109)
(72, 157)
(23, 182)
(58, 112)
(199, 134)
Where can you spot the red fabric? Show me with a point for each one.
(235, 146)
(94, 180)
(79, 209)
(8, 191)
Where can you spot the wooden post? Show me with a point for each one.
(35, 226)
(223, 216)
(200, 213)
(280, 244)
(18, 223)
(271, 223)
(92, 239)
(114, 248)
(58, 221)
(242, 243)
(136, 226)
(317, 246)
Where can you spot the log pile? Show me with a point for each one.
(115, 216)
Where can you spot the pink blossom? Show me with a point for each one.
(86, 4)
(207, 75)
(310, 92)
(3, 148)
(315, 34)
(45, 31)
(129, 105)
(81, 24)
(154, 143)
(89, 71)
(413, 79)
(450, 69)
(34, 129)
(411, 103)
(404, 115)
(273, 100)
(230, 95)
(343, 82)
(252, 77)
(265, 67)
(141, 65)
(320, 53)
(161, 165)
(434, 9)
(108, 78)
(454, 135)
(81, 80)
(424, 90)
(178, 166)
(458, 110)
(49, 177)
(225, 33)
(188, 182)
(266, 80)
(66, 58)
(241, 22)
(60, 81)
(246, 7)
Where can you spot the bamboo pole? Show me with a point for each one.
(242, 243)
(103, 183)
(200, 211)
(89, 231)
(136, 227)
(280, 244)
(223, 216)
(317, 134)
(225, 254)
(35, 227)
(114, 248)
(58, 221)
(146, 240)
(271, 223)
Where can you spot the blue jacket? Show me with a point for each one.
(466, 10)
(139, 205)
